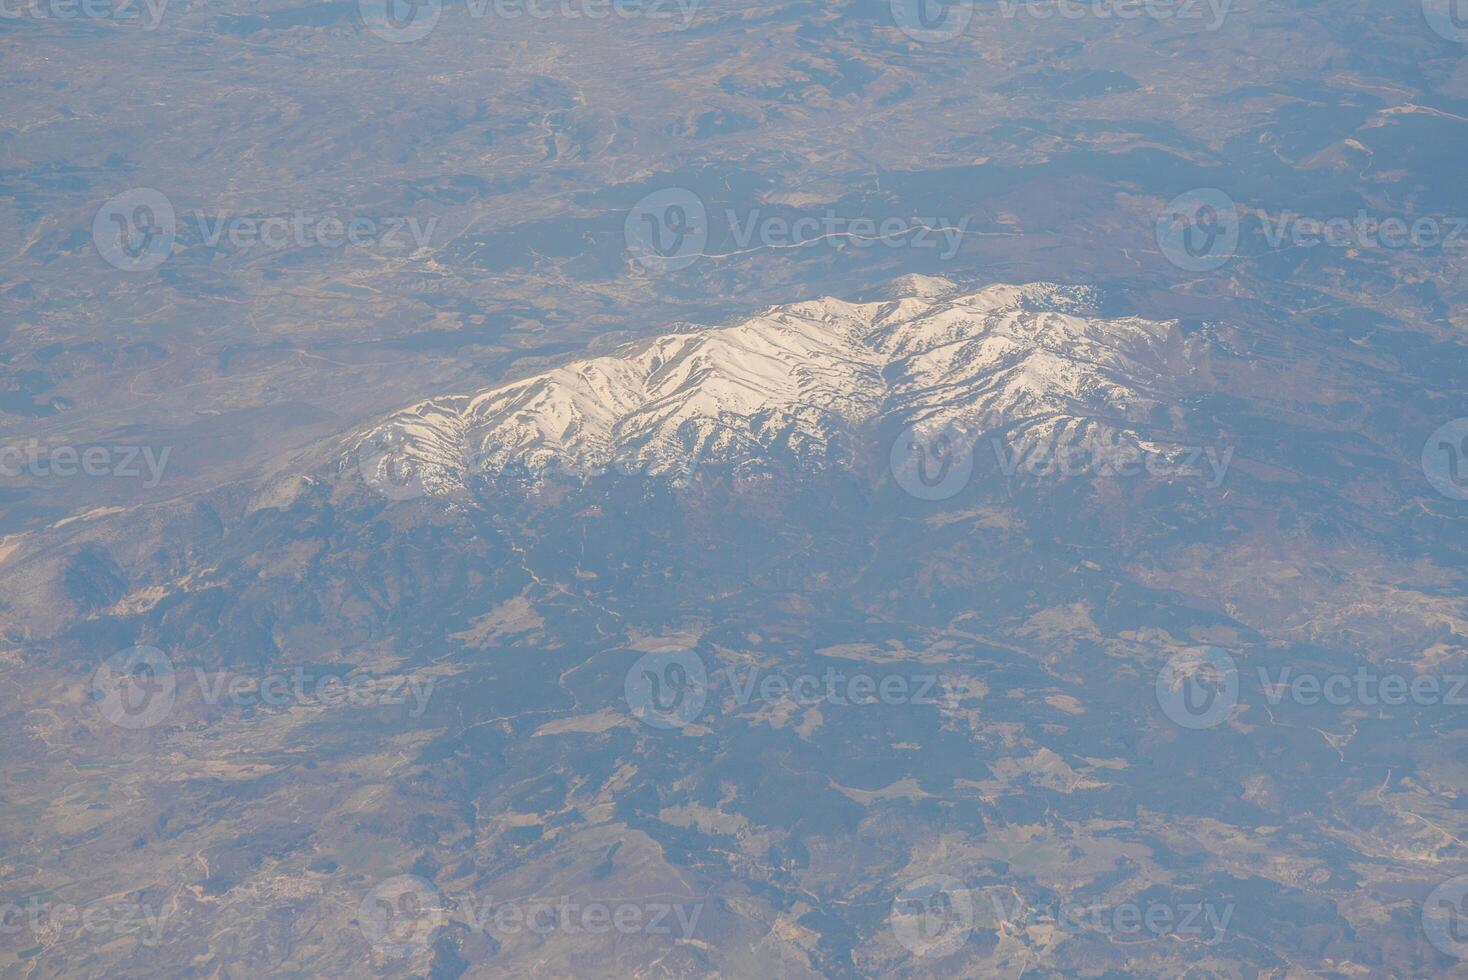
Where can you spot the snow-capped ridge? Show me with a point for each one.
(801, 382)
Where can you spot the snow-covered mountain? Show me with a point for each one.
(1034, 363)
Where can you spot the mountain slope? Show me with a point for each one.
(801, 381)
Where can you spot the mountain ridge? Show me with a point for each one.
(799, 382)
